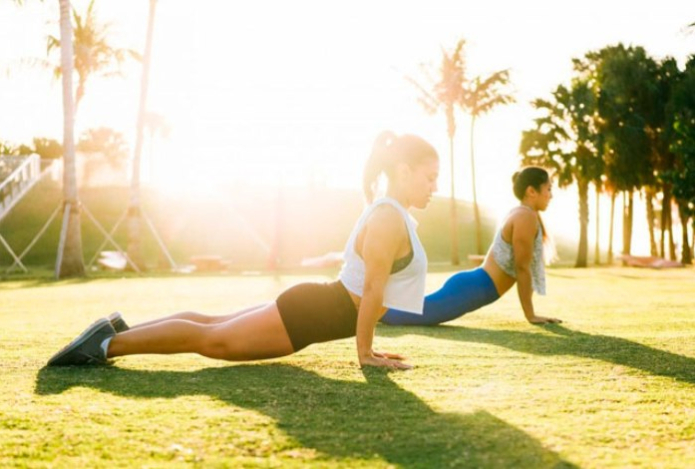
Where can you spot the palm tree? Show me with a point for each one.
(443, 94)
(69, 262)
(613, 193)
(565, 139)
(661, 132)
(86, 52)
(134, 209)
(483, 94)
(94, 55)
(624, 78)
(682, 176)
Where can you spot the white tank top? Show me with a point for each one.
(405, 289)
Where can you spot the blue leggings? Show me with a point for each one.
(462, 293)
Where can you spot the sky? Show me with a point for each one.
(270, 92)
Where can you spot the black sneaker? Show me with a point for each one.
(118, 322)
(86, 348)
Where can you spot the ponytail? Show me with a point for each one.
(388, 151)
(377, 162)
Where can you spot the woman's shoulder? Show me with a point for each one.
(386, 214)
(522, 214)
(522, 219)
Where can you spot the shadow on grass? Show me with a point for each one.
(340, 419)
(566, 342)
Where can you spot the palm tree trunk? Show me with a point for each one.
(476, 211)
(649, 192)
(134, 209)
(454, 218)
(79, 94)
(582, 252)
(665, 202)
(610, 228)
(671, 241)
(70, 261)
(686, 255)
(597, 248)
(667, 224)
(628, 207)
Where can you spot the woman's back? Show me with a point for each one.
(500, 262)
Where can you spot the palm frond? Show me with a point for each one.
(52, 42)
(427, 100)
(485, 93)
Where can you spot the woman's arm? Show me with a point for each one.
(384, 233)
(524, 233)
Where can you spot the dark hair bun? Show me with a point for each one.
(532, 176)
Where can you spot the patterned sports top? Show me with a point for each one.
(503, 254)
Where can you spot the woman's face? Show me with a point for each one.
(422, 182)
(544, 196)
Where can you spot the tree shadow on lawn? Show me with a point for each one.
(566, 342)
(341, 419)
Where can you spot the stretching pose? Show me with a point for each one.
(516, 256)
(385, 267)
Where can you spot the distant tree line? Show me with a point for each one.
(104, 140)
(625, 124)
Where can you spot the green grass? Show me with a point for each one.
(611, 387)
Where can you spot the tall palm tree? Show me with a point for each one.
(443, 94)
(69, 262)
(565, 139)
(85, 51)
(134, 209)
(682, 175)
(624, 78)
(613, 194)
(481, 96)
(94, 54)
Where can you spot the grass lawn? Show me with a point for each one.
(614, 386)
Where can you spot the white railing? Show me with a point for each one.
(19, 181)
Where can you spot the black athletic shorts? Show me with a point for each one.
(317, 312)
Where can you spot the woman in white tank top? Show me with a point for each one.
(385, 267)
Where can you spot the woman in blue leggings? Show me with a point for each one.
(515, 257)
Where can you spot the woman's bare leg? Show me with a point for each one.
(201, 318)
(255, 335)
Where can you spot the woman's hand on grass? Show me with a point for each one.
(385, 360)
(393, 356)
(544, 320)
